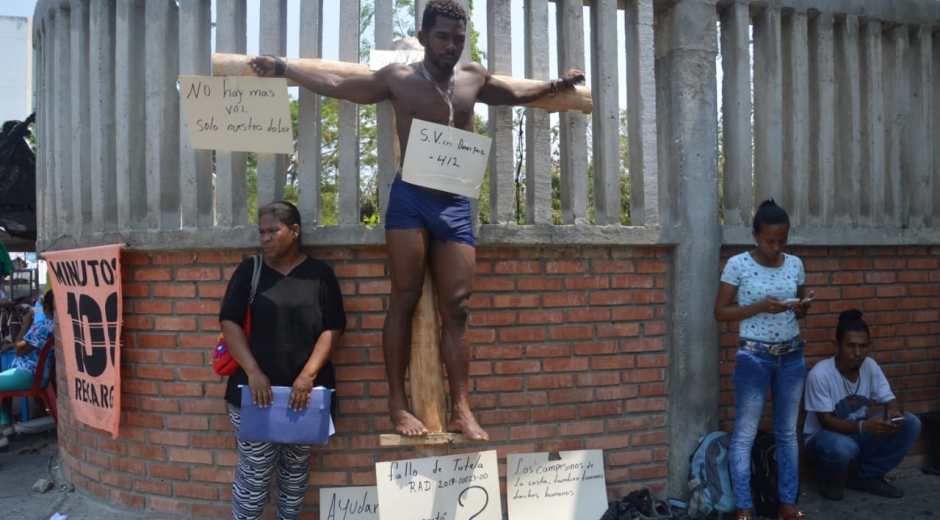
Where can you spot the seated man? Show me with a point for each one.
(839, 429)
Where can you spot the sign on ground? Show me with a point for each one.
(570, 488)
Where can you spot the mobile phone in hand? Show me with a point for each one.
(895, 420)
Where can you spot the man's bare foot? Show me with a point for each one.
(407, 424)
(467, 424)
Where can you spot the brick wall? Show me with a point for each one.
(569, 353)
(898, 290)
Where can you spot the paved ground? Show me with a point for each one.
(34, 456)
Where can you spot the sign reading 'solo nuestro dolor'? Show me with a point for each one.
(237, 113)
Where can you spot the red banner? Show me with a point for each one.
(87, 287)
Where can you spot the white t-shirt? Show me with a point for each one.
(828, 391)
(755, 283)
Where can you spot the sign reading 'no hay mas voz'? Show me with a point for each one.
(87, 287)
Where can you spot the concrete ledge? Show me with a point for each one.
(816, 236)
(910, 12)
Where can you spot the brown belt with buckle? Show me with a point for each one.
(774, 349)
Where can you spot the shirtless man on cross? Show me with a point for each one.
(420, 220)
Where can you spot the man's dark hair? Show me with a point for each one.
(448, 8)
(284, 211)
(850, 321)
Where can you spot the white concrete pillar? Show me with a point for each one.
(308, 131)
(62, 118)
(499, 56)
(102, 176)
(538, 151)
(384, 113)
(822, 129)
(641, 114)
(919, 175)
(897, 112)
(573, 125)
(81, 119)
(848, 121)
(736, 115)
(605, 89)
(686, 48)
(796, 116)
(768, 108)
(272, 168)
(872, 175)
(231, 183)
(130, 178)
(348, 147)
(195, 58)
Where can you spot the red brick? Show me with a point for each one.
(132, 322)
(189, 456)
(128, 500)
(564, 300)
(531, 283)
(155, 372)
(168, 505)
(152, 274)
(582, 283)
(183, 358)
(517, 267)
(175, 324)
(612, 266)
(550, 381)
(541, 317)
(135, 290)
(144, 485)
(182, 389)
(492, 319)
(197, 307)
(564, 267)
(359, 270)
(565, 365)
(212, 290)
(502, 301)
(196, 491)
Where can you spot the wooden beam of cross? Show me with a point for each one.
(577, 98)
(426, 369)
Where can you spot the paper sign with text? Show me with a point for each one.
(445, 158)
(236, 113)
(572, 487)
(453, 487)
(349, 503)
(89, 307)
(379, 59)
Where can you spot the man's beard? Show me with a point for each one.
(446, 67)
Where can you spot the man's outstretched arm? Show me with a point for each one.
(362, 89)
(498, 92)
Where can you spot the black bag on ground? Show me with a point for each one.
(17, 180)
(764, 491)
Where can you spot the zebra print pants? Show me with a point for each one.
(257, 461)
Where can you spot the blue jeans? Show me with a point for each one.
(874, 455)
(754, 374)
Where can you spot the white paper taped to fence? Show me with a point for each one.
(349, 503)
(453, 487)
(445, 158)
(379, 59)
(572, 487)
(237, 113)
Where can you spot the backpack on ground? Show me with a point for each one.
(710, 477)
(764, 491)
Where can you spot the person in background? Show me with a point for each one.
(840, 394)
(23, 368)
(297, 319)
(768, 286)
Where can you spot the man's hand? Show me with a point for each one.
(875, 425)
(263, 66)
(569, 79)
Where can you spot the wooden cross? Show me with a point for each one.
(426, 374)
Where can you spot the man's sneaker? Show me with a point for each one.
(831, 490)
(874, 485)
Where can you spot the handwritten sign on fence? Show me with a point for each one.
(452, 487)
(572, 487)
(445, 158)
(238, 113)
(349, 503)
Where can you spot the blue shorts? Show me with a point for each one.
(446, 217)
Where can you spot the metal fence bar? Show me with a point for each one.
(768, 108)
(897, 110)
(308, 114)
(606, 115)
(81, 117)
(63, 124)
(102, 95)
(499, 45)
(161, 58)
(822, 130)
(129, 113)
(384, 113)
(848, 121)
(871, 197)
(195, 19)
(272, 168)
(231, 183)
(641, 114)
(538, 150)
(573, 125)
(795, 56)
(920, 129)
(348, 173)
(736, 115)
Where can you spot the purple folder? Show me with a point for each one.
(278, 423)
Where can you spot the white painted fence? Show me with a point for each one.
(846, 112)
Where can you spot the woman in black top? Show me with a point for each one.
(297, 319)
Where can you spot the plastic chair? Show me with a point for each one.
(48, 393)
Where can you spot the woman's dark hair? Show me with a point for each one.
(285, 212)
(769, 213)
(447, 8)
(48, 300)
(850, 321)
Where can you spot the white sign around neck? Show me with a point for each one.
(379, 59)
(572, 487)
(349, 503)
(445, 158)
(237, 113)
(451, 487)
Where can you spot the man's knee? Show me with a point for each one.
(404, 299)
(911, 426)
(834, 449)
(455, 311)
